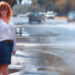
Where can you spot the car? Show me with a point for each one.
(71, 16)
(43, 17)
(34, 17)
(28, 13)
(50, 15)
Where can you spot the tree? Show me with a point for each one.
(47, 4)
(44, 4)
(11, 2)
(41, 2)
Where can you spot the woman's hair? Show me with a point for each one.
(9, 13)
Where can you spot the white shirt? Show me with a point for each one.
(7, 32)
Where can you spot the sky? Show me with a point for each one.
(26, 1)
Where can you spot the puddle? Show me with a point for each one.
(13, 70)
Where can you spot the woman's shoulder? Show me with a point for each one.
(11, 21)
(11, 18)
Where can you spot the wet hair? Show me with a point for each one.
(9, 13)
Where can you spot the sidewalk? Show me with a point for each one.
(30, 60)
(36, 73)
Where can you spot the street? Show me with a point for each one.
(45, 49)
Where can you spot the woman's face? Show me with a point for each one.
(4, 11)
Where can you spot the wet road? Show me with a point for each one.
(47, 50)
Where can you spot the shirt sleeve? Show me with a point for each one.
(14, 41)
(14, 36)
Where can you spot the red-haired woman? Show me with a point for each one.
(7, 37)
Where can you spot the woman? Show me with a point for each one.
(7, 37)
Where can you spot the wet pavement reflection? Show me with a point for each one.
(44, 52)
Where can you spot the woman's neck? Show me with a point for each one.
(4, 17)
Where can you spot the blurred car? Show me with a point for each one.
(50, 15)
(43, 17)
(71, 16)
(28, 13)
(34, 17)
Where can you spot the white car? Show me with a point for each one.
(71, 16)
(50, 15)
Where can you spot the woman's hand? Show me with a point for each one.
(14, 52)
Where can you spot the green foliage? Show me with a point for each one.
(41, 2)
(11, 2)
(44, 4)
